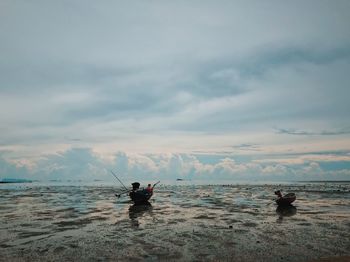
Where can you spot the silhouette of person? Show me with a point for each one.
(149, 189)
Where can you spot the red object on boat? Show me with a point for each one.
(286, 199)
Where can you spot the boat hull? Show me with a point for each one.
(286, 200)
(140, 197)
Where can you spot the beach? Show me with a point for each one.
(237, 222)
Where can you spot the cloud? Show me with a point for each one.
(12, 170)
(308, 133)
(172, 78)
(210, 97)
(83, 164)
(247, 147)
(75, 163)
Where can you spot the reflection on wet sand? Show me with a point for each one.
(285, 211)
(136, 211)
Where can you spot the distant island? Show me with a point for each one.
(324, 181)
(14, 180)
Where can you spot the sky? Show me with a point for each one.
(208, 91)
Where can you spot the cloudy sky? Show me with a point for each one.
(204, 90)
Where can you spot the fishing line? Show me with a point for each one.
(119, 180)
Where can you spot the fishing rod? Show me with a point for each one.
(119, 180)
(126, 189)
(124, 192)
(156, 183)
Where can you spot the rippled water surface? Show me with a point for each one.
(183, 223)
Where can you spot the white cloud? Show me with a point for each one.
(83, 164)
(173, 77)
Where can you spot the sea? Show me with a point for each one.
(76, 221)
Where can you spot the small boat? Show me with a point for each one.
(287, 199)
(139, 196)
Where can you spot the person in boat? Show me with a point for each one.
(135, 186)
(149, 189)
(286, 199)
(278, 193)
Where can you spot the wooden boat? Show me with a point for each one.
(139, 196)
(287, 199)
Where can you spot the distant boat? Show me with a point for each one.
(285, 200)
(182, 179)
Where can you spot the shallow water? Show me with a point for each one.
(183, 223)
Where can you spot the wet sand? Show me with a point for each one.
(183, 223)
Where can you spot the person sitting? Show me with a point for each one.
(278, 193)
(149, 189)
(135, 186)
